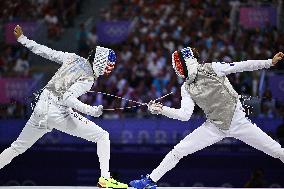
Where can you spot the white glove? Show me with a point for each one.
(155, 108)
(95, 111)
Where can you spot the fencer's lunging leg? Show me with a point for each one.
(29, 135)
(252, 135)
(204, 136)
(77, 125)
(242, 129)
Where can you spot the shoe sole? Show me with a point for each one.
(146, 187)
(134, 186)
(100, 186)
(150, 187)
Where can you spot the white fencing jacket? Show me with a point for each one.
(221, 69)
(74, 78)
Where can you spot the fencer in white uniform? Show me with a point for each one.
(207, 86)
(53, 110)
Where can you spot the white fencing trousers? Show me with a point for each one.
(207, 134)
(48, 115)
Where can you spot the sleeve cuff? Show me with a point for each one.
(269, 63)
(165, 110)
(22, 39)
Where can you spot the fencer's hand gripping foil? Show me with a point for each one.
(129, 107)
(155, 107)
(97, 111)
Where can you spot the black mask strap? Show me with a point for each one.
(91, 55)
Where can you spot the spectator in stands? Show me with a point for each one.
(83, 47)
(92, 38)
(54, 28)
(267, 105)
(257, 180)
(22, 66)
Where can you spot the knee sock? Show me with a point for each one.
(103, 151)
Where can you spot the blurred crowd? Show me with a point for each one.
(14, 62)
(56, 14)
(144, 71)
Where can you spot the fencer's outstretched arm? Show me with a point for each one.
(41, 50)
(70, 98)
(182, 114)
(223, 68)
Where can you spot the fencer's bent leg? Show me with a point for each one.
(244, 130)
(29, 135)
(204, 136)
(77, 125)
